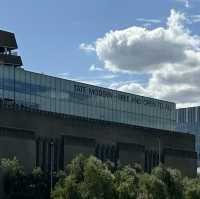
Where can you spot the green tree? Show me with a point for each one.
(38, 184)
(11, 166)
(192, 188)
(126, 183)
(76, 167)
(98, 180)
(13, 175)
(87, 178)
(69, 189)
(150, 187)
(173, 180)
(18, 184)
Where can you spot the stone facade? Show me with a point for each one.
(39, 138)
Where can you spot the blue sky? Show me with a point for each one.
(49, 35)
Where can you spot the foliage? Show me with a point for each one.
(192, 188)
(90, 178)
(98, 180)
(11, 167)
(151, 186)
(76, 167)
(172, 178)
(13, 174)
(17, 184)
(87, 178)
(68, 189)
(126, 183)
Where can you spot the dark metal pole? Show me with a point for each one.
(159, 151)
(14, 83)
(52, 144)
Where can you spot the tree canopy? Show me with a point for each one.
(90, 178)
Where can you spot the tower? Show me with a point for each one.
(7, 46)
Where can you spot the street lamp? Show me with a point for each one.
(14, 86)
(52, 160)
(159, 154)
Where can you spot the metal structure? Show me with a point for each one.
(7, 46)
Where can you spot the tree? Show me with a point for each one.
(13, 175)
(18, 184)
(67, 190)
(38, 184)
(76, 167)
(126, 183)
(98, 180)
(172, 178)
(192, 188)
(11, 167)
(150, 187)
(87, 178)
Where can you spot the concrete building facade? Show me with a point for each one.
(35, 137)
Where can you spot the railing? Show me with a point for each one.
(20, 105)
(10, 59)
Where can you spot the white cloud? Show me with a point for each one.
(186, 3)
(171, 55)
(195, 18)
(148, 20)
(146, 25)
(94, 68)
(138, 49)
(87, 47)
(109, 76)
(83, 79)
(64, 75)
(130, 87)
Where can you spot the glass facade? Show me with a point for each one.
(73, 98)
(188, 121)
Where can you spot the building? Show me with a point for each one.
(188, 121)
(46, 121)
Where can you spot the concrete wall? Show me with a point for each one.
(185, 161)
(19, 143)
(53, 126)
(131, 153)
(77, 145)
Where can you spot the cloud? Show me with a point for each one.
(94, 68)
(84, 79)
(64, 75)
(186, 3)
(137, 49)
(148, 20)
(195, 18)
(97, 80)
(130, 87)
(147, 25)
(87, 47)
(112, 76)
(170, 54)
(178, 83)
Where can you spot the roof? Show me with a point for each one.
(7, 40)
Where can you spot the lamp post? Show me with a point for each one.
(14, 85)
(51, 172)
(159, 155)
